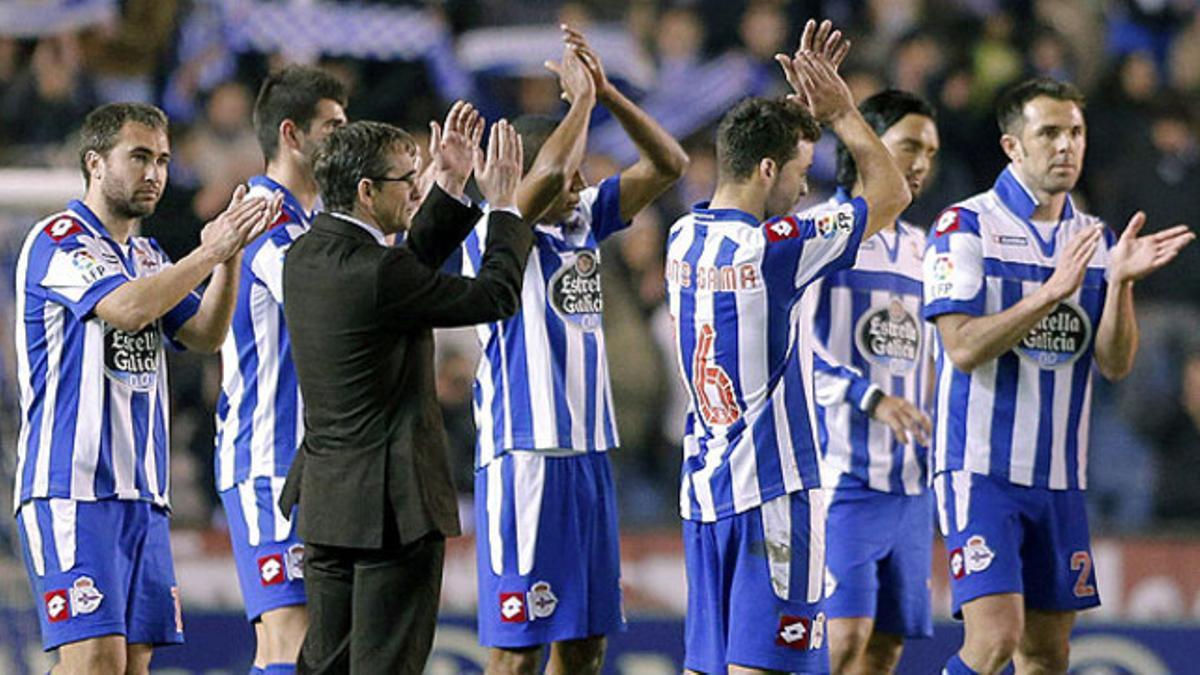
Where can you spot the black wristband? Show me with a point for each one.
(873, 401)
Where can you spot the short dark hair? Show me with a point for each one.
(881, 111)
(353, 152)
(292, 94)
(534, 130)
(103, 125)
(1010, 106)
(761, 127)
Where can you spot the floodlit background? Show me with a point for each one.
(686, 62)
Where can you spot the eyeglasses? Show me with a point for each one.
(391, 179)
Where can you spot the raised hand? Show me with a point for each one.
(498, 172)
(818, 87)
(904, 418)
(452, 148)
(573, 76)
(819, 41)
(1135, 257)
(1073, 264)
(239, 224)
(589, 57)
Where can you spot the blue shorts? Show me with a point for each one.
(549, 560)
(755, 582)
(880, 558)
(100, 568)
(1006, 538)
(266, 550)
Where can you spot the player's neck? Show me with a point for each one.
(119, 228)
(1050, 206)
(743, 197)
(297, 180)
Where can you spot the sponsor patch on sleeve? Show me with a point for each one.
(947, 222)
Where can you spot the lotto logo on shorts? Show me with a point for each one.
(795, 632)
(271, 569)
(58, 607)
(512, 608)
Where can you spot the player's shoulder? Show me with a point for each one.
(65, 229)
(963, 217)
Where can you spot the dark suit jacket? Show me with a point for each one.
(360, 317)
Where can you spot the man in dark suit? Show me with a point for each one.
(375, 494)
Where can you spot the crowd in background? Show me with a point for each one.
(686, 62)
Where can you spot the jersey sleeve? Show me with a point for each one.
(601, 208)
(471, 249)
(953, 266)
(266, 264)
(825, 240)
(80, 270)
(835, 384)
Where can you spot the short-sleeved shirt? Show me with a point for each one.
(542, 382)
(732, 285)
(869, 335)
(260, 415)
(94, 403)
(1023, 416)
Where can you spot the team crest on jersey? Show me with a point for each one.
(61, 228)
(85, 597)
(574, 291)
(132, 358)
(58, 607)
(889, 336)
(1059, 339)
(146, 257)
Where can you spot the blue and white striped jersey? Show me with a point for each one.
(94, 403)
(260, 416)
(542, 382)
(732, 285)
(868, 334)
(1024, 416)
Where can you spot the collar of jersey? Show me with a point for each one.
(702, 213)
(1021, 202)
(842, 196)
(98, 229)
(290, 204)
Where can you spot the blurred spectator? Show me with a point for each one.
(1179, 452)
(222, 150)
(996, 59)
(47, 102)
(125, 54)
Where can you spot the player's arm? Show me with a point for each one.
(812, 73)
(838, 384)
(974, 340)
(562, 153)
(206, 329)
(1132, 258)
(662, 160)
(138, 303)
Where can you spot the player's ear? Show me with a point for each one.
(767, 168)
(1011, 145)
(95, 164)
(288, 134)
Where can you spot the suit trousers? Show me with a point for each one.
(371, 610)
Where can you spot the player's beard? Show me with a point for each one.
(121, 202)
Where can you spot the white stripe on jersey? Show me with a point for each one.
(542, 382)
(732, 284)
(1023, 416)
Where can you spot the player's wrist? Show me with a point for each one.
(451, 183)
